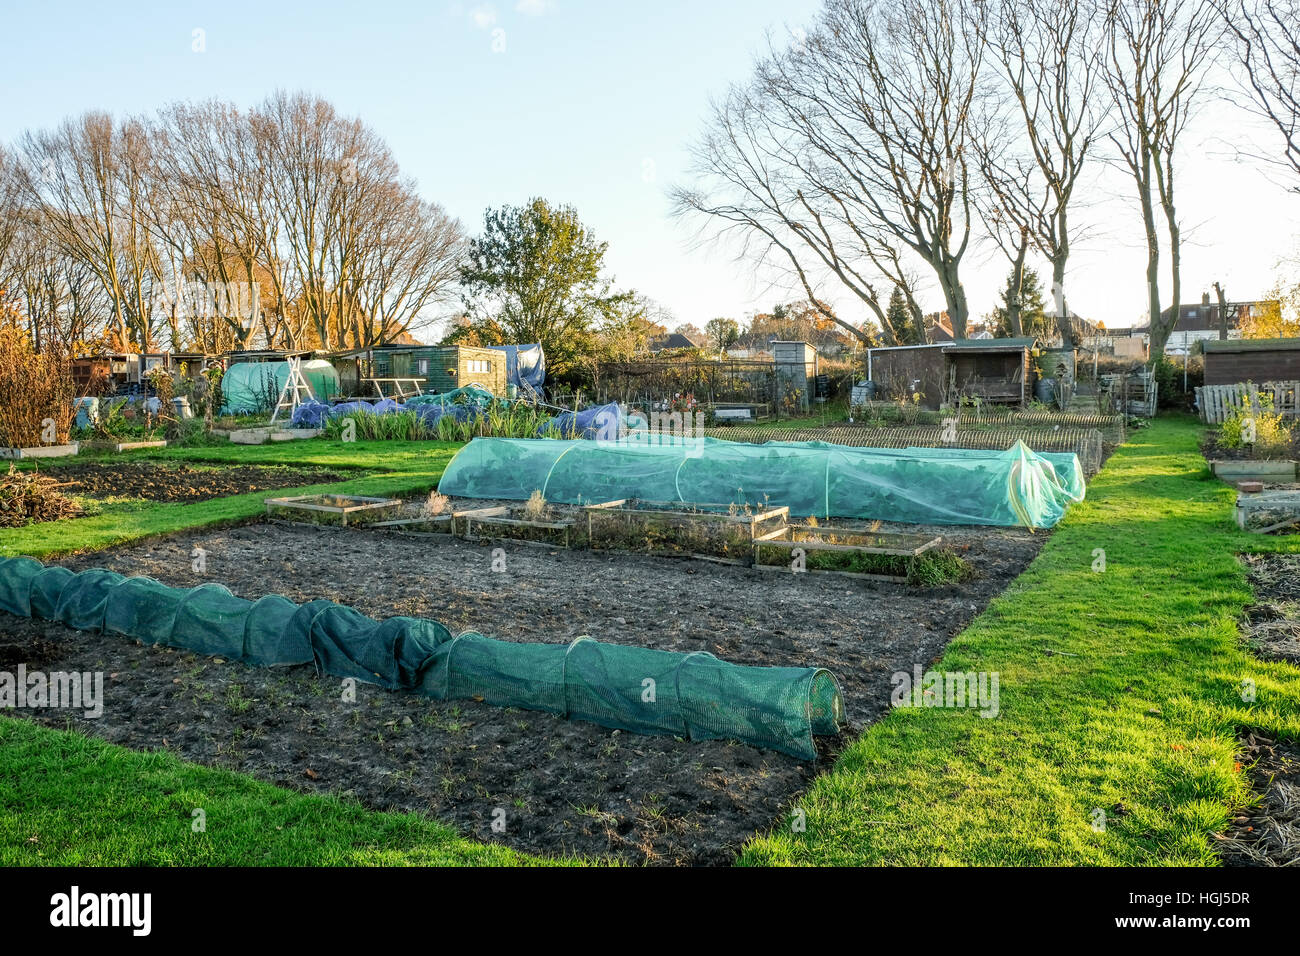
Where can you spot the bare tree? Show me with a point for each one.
(216, 225)
(10, 210)
(286, 226)
(1267, 34)
(55, 292)
(1157, 54)
(88, 178)
(847, 153)
(411, 262)
(1048, 62)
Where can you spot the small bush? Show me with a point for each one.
(1258, 427)
(36, 389)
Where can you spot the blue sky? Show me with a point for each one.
(588, 103)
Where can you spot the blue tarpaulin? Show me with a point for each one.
(525, 365)
(603, 422)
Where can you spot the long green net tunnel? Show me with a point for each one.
(916, 485)
(636, 689)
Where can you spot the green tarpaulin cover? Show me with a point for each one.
(917, 485)
(629, 688)
(251, 387)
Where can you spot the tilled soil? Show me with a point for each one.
(181, 483)
(565, 786)
(1267, 834)
(1272, 623)
(1213, 451)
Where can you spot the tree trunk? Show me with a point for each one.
(1017, 286)
(955, 297)
(1223, 312)
(1062, 308)
(1158, 335)
(1175, 263)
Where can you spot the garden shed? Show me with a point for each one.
(796, 368)
(122, 372)
(434, 368)
(1252, 360)
(997, 371)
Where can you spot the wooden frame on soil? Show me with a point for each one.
(303, 503)
(646, 509)
(498, 516)
(905, 545)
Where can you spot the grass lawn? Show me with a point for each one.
(1119, 690)
(70, 800)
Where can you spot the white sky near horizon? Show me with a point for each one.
(594, 105)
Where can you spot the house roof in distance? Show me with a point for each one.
(673, 340)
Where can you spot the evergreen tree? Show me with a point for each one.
(1034, 318)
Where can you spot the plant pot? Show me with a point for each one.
(1254, 470)
(119, 446)
(293, 434)
(41, 451)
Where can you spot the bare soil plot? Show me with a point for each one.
(181, 483)
(1272, 623)
(1268, 834)
(564, 786)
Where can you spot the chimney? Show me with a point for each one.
(1205, 298)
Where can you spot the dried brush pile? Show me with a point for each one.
(27, 496)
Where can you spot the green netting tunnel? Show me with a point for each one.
(251, 387)
(917, 485)
(637, 689)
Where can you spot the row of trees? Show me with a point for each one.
(867, 156)
(208, 227)
(788, 321)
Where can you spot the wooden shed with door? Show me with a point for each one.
(997, 371)
(1252, 360)
(434, 368)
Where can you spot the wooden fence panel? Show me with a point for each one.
(1218, 402)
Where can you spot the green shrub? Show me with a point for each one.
(1258, 427)
(396, 426)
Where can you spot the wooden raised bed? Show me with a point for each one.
(841, 546)
(41, 451)
(422, 526)
(120, 446)
(1274, 472)
(500, 522)
(339, 506)
(669, 529)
